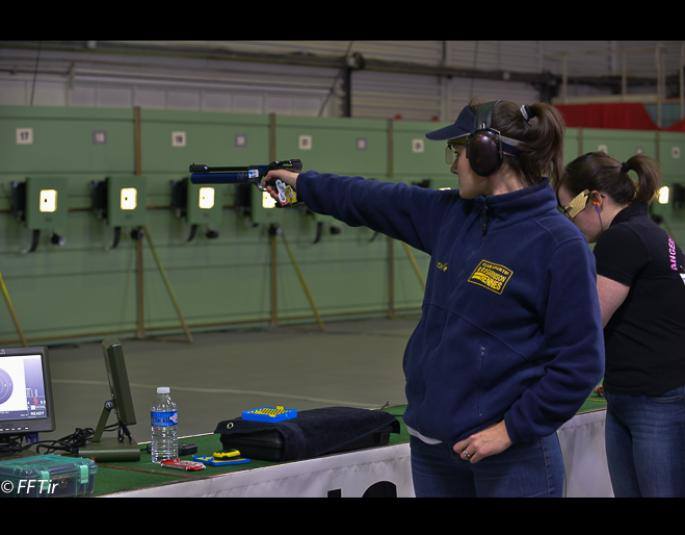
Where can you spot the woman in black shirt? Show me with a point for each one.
(641, 286)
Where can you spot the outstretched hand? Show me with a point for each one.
(288, 177)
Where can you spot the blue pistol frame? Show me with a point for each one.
(251, 174)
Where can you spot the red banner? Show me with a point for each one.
(620, 115)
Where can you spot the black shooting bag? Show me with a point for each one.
(313, 433)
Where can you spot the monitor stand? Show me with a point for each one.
(109, 449)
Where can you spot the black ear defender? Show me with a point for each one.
(486, 146)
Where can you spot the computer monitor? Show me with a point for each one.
(118, 381)
(122, 448)
(25, 391)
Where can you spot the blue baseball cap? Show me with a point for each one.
(466, 125)
(463, 126)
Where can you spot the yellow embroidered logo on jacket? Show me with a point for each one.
(442, 266)
(491, 276)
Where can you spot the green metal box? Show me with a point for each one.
(126, 201)
(47, 203)
(204, 204)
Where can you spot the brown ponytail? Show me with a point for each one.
(542, 134)
(599, 171)
(648, 174)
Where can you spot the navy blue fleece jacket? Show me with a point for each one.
(510, 326)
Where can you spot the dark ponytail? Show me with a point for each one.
(599, 171)
(541, 128)
(648, 174)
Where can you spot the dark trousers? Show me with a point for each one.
(532, 469)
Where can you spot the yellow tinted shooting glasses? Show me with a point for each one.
(577, 204)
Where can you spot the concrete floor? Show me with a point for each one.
(353, 363)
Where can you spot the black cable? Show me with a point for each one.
(319, 232)
(193, 232)
(70, 443)
(117, 237)
(335, 81)
(35, 239)
(12, 445)
(122, 431)
(35, 72)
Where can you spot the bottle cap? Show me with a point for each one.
(163, 390)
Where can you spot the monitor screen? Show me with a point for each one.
(25, 394)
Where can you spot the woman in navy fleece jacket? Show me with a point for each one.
(510, 342)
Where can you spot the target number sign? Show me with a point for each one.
(24, 136)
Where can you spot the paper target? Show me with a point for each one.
(5, 386)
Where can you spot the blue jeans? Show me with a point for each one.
(645, 442)
(531, 469)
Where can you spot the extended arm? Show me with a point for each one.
(404, 212)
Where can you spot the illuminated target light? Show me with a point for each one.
(48, 200)
(268, 201)
(128, 199)
(206, 200)
(664, 194)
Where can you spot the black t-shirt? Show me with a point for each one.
(645, 338)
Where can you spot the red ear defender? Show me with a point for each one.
(484, 151)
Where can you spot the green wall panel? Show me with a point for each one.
(620, 144)
(571, 145)
(84, 288)
(210, 139)
(417, 158)
(672, 155)
(334, 145)
(63, 144)
(343, 272)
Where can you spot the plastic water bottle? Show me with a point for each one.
(164, 443)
